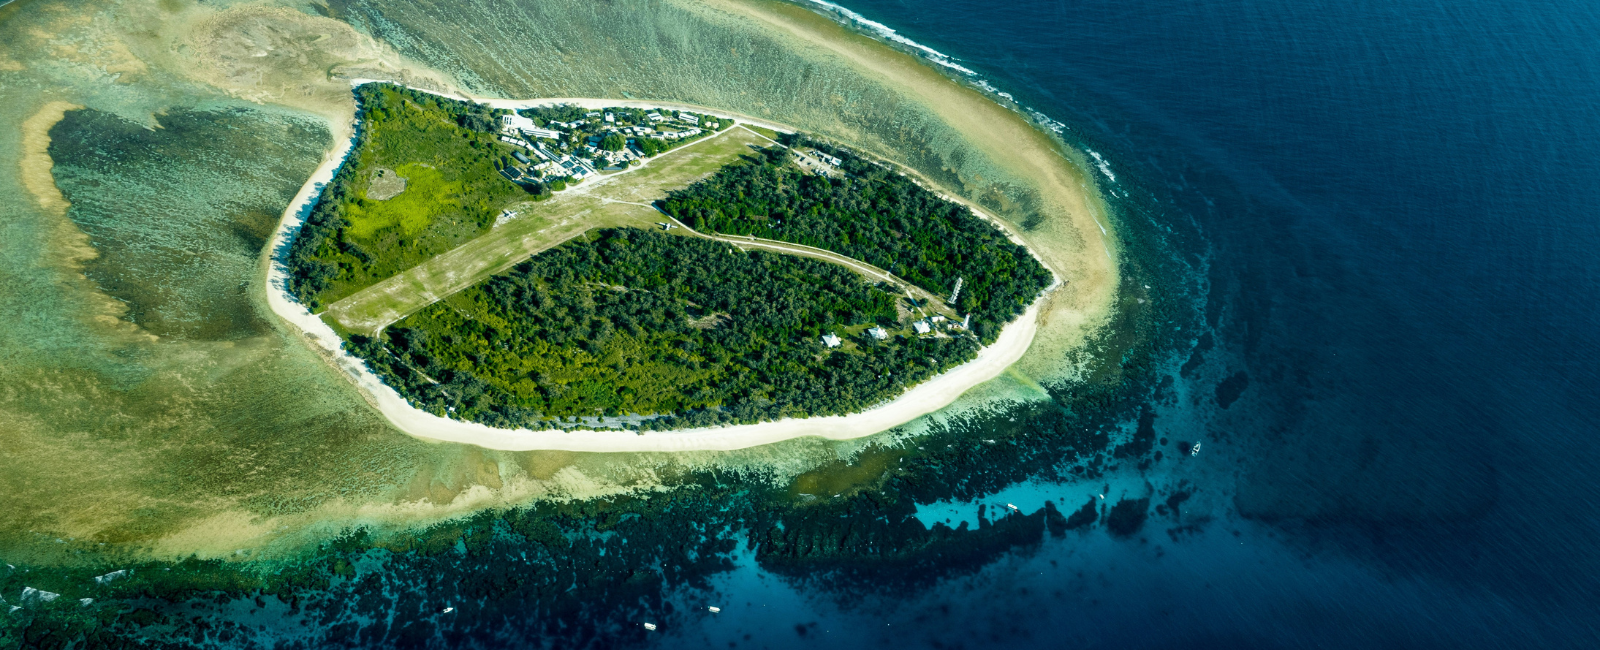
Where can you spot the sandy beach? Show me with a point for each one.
(920, 400)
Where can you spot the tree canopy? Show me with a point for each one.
(448, 154)
(635, 321)
(873, 214)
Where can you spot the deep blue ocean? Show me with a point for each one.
(1397, 202)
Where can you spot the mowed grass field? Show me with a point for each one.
(618, 200)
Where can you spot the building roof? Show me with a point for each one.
(514, 121)
(831, 340)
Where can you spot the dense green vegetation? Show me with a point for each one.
(638, 322)
(634, 321)
(450, 157)
(875, 215)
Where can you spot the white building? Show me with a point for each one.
(514, 122)
(611, 118)
(878, 333)
(831, 340)
(542, 133)
(690, 118)
(654, 117)
(921, 327)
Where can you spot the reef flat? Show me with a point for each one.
(239, 477)
(216, 430)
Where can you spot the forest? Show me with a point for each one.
(628, 321)
(450, 158)
(870, 213)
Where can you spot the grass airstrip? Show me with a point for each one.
(619, 199)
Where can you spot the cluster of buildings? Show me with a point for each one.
(549, 164)
(575, 148)
(817, 162)
(922, 327)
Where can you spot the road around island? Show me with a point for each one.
(919, 400)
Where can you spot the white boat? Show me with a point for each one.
(447, 610)
(650, 626)
(1196, 450)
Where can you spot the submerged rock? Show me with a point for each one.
(110, 577)
(31, 596)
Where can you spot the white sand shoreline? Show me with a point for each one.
(919, 400)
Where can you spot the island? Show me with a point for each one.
(619, 269)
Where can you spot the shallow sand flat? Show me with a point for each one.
(921, 399)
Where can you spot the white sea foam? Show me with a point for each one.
(1047, 121)
(1105, 168)
(940, 58)
(886, 32)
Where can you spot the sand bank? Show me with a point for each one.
(920, 400)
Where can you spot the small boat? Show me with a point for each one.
(714, 609)
(1013, 507)
(447, 610)
(650, 626)
(1196, 450)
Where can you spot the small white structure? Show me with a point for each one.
(921, 327)
(957, 293)
(831, 340)
(937, 319)
(611, 118)
(878, 333)
(654, 117)
(827, 158)
(542, 133)
(688, 117)
(510, 140)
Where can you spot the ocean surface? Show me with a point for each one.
(1397, 208)
(1354, 405)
